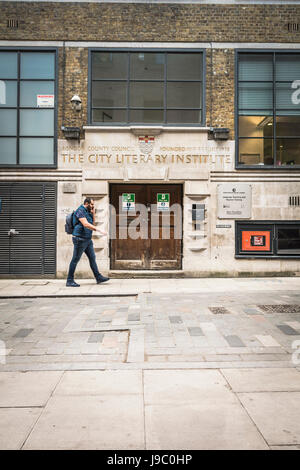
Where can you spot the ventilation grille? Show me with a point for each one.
(13, 24)
(293, 26)
(294, 201)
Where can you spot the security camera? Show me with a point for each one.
(76, 103)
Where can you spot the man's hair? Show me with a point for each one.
(87, 200)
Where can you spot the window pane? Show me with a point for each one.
(30, 90)
(36, 151)
(256, 67)
(287, 67)
(287, 126)
(287, 152)
(8, 65)
(147, 94)
(109, 65)
(8, 122)
(37, 65)
(184, 66)
(183, 95)
(256, 151)
(183, 116)
(40, 122)
(109, 94)
(287, 98)
(146, 115)
(8, 150)
(288, 240)
(147, 66)
(255, 126)
(255, 96)
(8, 93)
(109, 115)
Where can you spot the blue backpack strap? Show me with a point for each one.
(75, 218)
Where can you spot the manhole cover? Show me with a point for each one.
(218, 310)
(280, 308)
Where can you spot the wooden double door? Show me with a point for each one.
(145, 234)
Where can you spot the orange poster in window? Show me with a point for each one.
(255, 240)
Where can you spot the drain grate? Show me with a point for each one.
(218, 310)
(280, 308)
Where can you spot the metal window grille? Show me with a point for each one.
(293, 26)
(12, 23)
(294, 201)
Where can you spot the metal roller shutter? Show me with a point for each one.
(32, 213)
(4, 228)
(49, 228)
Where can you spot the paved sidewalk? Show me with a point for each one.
(136, 410)
(119, 287)
(150, 330)
(150, 364)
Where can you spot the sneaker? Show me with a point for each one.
(102, 279)
(72, 284)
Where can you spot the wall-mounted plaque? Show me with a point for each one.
(234, 201)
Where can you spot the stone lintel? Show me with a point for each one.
(96, 188)
(188, 174)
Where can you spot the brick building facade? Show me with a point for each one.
(198, 101)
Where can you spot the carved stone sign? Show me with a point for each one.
(122, 149)
(234, 201)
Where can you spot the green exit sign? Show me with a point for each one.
(128, 197)
(128, 201)
(163, 201)
(163, 197)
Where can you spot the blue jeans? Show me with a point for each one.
(83, 245)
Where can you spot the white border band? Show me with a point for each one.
(153, 45)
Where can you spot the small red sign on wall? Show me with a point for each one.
(253, 240)
(258, 240)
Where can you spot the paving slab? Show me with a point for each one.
(27, 389)
(297, 447)
(107, 382)
(206, 426)
(276, 415)
(15, 426)
(263, 380)
(199, 404)
(90, 422)
(181, 386)
(267, 341)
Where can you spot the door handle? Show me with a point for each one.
(12, 231)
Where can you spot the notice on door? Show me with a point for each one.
(234, 201)
(163, 201)
(128, 202)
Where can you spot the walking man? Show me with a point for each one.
(84, 225)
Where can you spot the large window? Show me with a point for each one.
(268, 100)
(27, 115)
(146, 87)
(268, 239)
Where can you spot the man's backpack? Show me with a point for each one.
(69, 226)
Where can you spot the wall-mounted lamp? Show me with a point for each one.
(219, 133)
(76, 103)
